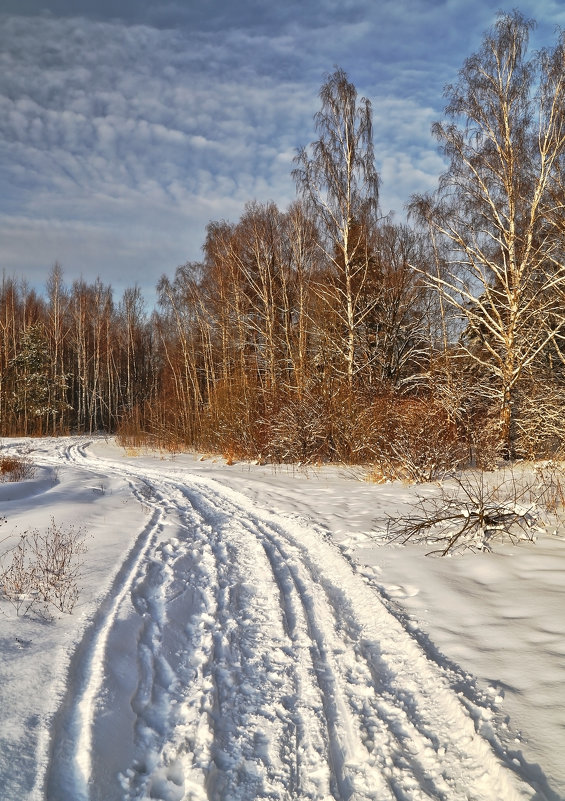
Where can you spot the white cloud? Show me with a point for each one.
(120, 141)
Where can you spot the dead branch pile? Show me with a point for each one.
(477, 508)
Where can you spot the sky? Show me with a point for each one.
(126, 127)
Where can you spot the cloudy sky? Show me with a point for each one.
(127, 125)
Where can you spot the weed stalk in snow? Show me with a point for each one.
(42, 569)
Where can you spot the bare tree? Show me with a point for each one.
(179, 302)
(57, 332)
(135, 358)
(338, 177)
(302, 240)
(498, 206)
(397, 330)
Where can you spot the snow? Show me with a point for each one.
(243, 632)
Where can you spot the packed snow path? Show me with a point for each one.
(240, 656)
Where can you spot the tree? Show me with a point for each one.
(394, 339)
(301, 236)
(338, 177)
(500, 207)
(178, 327)
(57, 329)
(136, 357)
(31, 380)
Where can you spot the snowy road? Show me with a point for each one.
(240, 656)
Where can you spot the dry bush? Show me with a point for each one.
(130, 432)
(295, 429)
(137, 440)
(322, 424)
(479, 508)
(16, 468)
(282, 425)
(42, 570)
(350, 440)
(134, 442)
(149, 428)
(228, 422)
(549, 488)
(18, 579)
(412, 439)
(482, 432)
(468, 400)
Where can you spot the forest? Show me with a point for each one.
(328, 331)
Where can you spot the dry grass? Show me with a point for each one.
(15, 468)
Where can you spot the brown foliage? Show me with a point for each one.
(15, 468)
(413, 439)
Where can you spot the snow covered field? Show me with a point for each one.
(241, 634)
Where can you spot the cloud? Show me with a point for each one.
(136, 126)
(124, 130)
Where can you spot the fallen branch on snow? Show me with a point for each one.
(479, 508)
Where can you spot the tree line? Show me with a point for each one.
(325, 330)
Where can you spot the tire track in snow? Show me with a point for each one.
(172, 666)
(291, 639)
(157, 728)
(312, 658)
(71, 746)
(248, 666)
(414, 702)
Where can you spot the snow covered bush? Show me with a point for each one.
(42, 569)
(476, 509)
(17, 580)
(550, 485)
(539, 425)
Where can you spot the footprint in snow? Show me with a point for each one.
(401, 590)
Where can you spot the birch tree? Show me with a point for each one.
(337, 176)
(57, 330)
(499, 207)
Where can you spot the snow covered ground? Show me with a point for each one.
(242, 634)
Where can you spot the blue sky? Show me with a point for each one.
(125, 127)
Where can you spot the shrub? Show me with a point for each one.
(412, 439)
(42, 569)
(540, 433)
(295, 429)
(15, 468)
